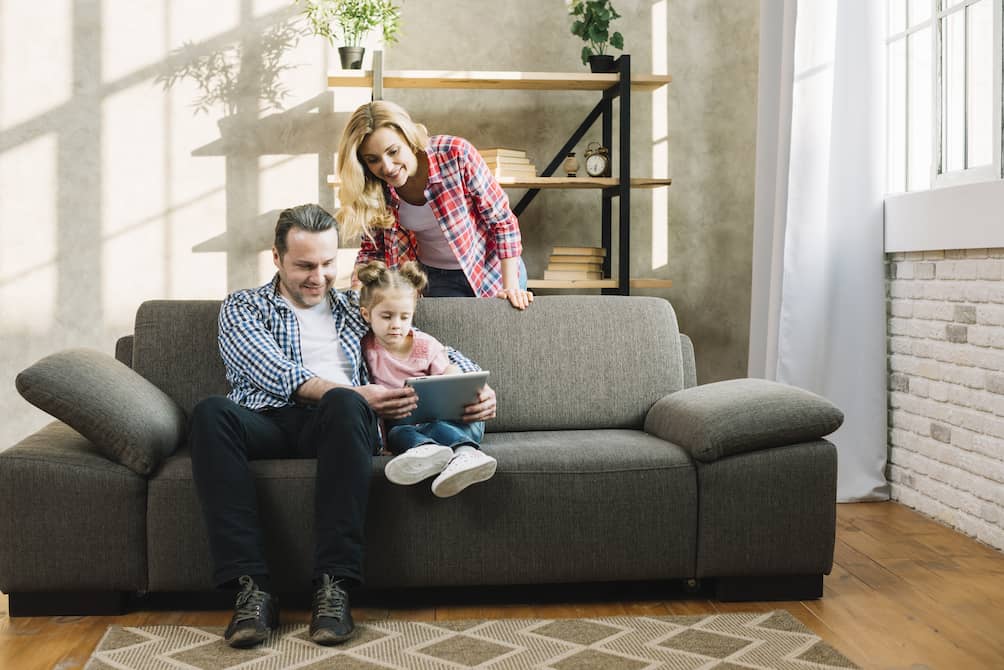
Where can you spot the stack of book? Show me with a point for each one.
(511, 163)
(575, 263)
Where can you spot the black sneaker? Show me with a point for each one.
(331, 621)
(256, 613)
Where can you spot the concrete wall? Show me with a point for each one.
(115, 189)
(946, 387)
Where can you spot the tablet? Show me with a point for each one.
(444, 397)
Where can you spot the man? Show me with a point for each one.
(300, 389)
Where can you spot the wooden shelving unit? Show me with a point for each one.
(614, 85)
(535, 81)
(565, 182)
(598, 283)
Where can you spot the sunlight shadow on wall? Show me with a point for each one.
(660, 141)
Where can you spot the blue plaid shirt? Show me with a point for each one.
(259, 338)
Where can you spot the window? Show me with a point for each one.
(944, 92)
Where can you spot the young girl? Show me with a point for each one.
(395, 351)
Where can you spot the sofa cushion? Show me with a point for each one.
(176, 347)
(740, 415)
(128, 419)
(567, 362)
(564, 506)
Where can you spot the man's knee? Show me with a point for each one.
(207, 413)
(344, 401)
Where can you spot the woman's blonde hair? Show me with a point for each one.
(363, 208)
(377, 278)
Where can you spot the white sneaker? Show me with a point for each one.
(418, 463)
(470, 466)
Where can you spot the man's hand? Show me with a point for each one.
(389, 403)
(483, 408)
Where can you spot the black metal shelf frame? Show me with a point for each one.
(603, 111)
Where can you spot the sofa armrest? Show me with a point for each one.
(741, 415)
(129, 420)
(689, 362)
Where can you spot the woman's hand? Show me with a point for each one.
(483, 408)
(517, 297)
(389, 403)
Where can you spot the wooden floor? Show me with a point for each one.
(905, 593)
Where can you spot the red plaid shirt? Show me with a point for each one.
(472, 209)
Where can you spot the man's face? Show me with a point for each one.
(308, 269)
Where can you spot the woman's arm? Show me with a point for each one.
(492, 206)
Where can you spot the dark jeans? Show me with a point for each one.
(402, 437)
(340, 432)
(454, 284)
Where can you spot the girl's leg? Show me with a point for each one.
(418, 455)
(469, 465)
(455, 433)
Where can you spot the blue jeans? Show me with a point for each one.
(405, 436)
(454, 284)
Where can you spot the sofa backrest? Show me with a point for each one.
(175, 347)
(567, 362)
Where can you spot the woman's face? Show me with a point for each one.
(388, 156)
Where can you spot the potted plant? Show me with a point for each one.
(349, 21)
(592, 24)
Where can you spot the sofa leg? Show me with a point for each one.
(67, 603)
(786, 587)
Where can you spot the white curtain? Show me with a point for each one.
(818, 304)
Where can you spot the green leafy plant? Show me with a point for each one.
(592, 24)
(347, 22)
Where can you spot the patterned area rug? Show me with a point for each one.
(723, 642)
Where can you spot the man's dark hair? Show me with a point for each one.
(312, 218)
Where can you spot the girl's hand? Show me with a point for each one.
(483, 408)
(452, 369)
(518, 298)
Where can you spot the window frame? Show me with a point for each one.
(939, 178)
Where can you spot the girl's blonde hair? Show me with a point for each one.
(363, 208)
(377, 278)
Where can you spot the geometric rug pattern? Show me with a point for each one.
(775, 640)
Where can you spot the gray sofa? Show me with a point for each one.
(613, 466)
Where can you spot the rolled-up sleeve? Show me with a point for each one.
(491, 203)
(252, 356)
(371, 248)
(461, 361)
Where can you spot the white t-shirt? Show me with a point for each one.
(433, 249)
(319, 344)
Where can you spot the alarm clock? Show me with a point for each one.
(597, 160)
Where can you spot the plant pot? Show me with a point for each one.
(352, 57)
(602, 63)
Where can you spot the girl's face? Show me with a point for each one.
(390, 316)
(388, 156)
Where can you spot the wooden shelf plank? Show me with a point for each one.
(499, 80)
(564, 182)
(639, 282)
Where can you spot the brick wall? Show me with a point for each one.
(946, 387)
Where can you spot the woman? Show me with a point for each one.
(431, 199)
